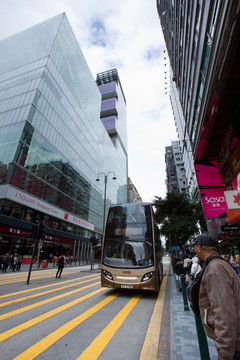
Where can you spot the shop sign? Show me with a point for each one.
(214, 202)
(233, 199)
(14, 231)
(57, 239)
(11, 193)
(230, 228)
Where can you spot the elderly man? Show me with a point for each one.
(219, 299)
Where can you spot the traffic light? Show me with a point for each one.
(93, 241)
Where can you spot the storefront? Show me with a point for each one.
(22, 226)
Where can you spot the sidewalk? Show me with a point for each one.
(84, 267)
(184, 340)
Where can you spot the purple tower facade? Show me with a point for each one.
(114, 118)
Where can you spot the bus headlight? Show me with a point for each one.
(147, 276)
(107, 275)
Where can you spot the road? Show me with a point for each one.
(74, 318)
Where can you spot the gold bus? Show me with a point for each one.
(131, 249)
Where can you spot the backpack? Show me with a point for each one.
(194, 287)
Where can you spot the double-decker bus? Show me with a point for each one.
(131, 253)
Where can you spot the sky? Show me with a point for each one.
(125, 35)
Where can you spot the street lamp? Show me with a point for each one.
(105, 190)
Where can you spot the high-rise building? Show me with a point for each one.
(176, 175)
(133, 194)
(53, 143)
(203, 45)
(171, 180)
(114, 118)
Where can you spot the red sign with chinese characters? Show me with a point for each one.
(58, 239)
(14, 231)
(237, 198)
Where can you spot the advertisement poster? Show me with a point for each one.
(214, 202)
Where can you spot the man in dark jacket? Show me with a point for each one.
(219, 300)
(60, 264)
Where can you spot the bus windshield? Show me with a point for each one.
(129, 236)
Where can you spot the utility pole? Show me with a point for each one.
(33, 252)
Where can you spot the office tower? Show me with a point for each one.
(203, 46)
(114, 118)
(52, 143)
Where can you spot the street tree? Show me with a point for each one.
(179, 218)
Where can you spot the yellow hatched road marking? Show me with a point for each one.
(43, 302)
(7, 334)
(150, 346)
(42, 345)
(45, 292)
(13, 277)
(33, 277)
(98, 345)
(46, 286)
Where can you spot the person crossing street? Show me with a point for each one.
(60, 265)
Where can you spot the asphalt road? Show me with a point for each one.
(74, 318)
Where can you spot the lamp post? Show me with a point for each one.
(105, 190)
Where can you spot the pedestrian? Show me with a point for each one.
(14, 262)
(196, 267)
(6, 262)
(178, 269)
(234, 262)
(19, 262)
(60, 265)
(187, 264)
(219, 299)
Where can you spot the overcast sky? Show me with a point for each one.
(125, 35)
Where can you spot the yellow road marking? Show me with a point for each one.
(42, 345)
(43, 302)
(5, 335)
(45, 286)
(33, 277)
(98, 345)
(45, 292)
(150, 346)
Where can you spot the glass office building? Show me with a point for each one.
(53, 143)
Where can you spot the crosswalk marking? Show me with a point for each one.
(42, 345)
(43, 287)
(14, 277)
(43, 302)
(98, 345)
(44, 293)
(5, 335)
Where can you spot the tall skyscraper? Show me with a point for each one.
(53, 143)
(203, 45)
(114, 118)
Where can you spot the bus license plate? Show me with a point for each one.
(127, 286)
